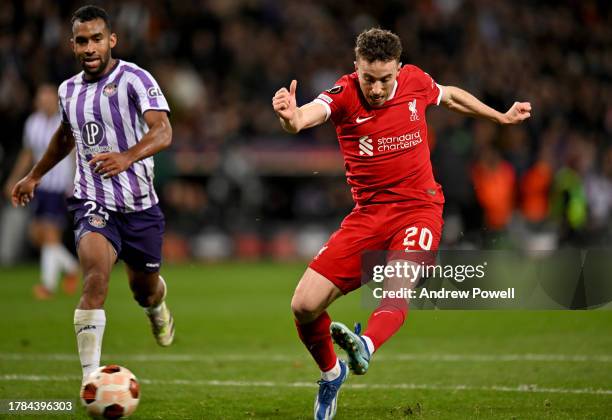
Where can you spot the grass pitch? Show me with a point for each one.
(237, 354)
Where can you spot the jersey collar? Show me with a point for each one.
(393, 91)
(106, 76)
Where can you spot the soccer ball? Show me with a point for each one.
(110, 392)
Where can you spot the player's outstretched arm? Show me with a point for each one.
(60, 146)
(158, 138)
(292, 118)
(465, 103)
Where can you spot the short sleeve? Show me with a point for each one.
(334, 99)
(434, 90)
(144, 90)
(63, 111)
(429, 88)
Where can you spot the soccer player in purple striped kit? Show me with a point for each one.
(116, 115)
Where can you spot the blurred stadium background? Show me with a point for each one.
(233, 185)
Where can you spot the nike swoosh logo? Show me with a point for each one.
(382, 312)
(359, 120)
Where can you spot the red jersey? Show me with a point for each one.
(386, 154)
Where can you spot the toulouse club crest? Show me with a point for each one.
(110, 89)
(96, 221)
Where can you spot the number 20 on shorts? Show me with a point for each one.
(425, 238)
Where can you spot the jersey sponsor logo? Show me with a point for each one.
(359, 120)
(97, 149)
(413, 110)
(92, 133)
(97, 221)
(365, 146)
(336, 89)
(405, 141)
(154, 92)
(110, 89)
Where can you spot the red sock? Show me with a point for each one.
(317, 339)
(386, 320)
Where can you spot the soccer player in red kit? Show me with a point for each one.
(379, 115)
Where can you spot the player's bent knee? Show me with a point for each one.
(305, 311)
(313, 294)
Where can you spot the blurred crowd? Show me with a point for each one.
(546, 183)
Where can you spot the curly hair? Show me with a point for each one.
(377, 44)
(89, 13)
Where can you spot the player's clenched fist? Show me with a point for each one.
(519, 112)
(284, 103)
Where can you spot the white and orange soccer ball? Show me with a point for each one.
(110, 392)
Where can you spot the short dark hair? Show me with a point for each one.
(377, 44)
(89, 13)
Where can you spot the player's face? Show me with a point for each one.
(376, 79)
(92, 43)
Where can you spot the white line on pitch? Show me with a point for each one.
(524, 388)
(212, 358)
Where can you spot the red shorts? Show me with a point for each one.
(377, 227)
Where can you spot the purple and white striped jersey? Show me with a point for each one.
(37, 133)
(106, 115)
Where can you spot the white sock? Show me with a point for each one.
(154, 310)
(331, 374)
(50, 267)
(89, 327)
(68, 263)
(369, 343)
